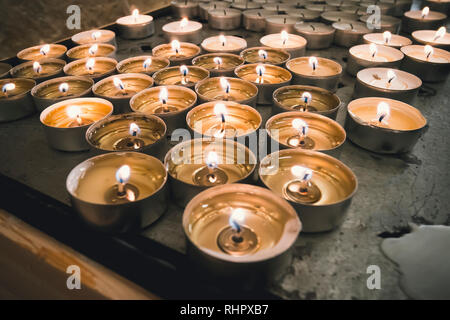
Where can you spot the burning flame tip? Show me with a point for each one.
(123, 174)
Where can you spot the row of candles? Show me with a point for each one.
(227, 220)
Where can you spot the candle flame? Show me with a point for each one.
(223, 40)
(118, 83)
(225, 85)
(383, 112)
(440, 33)
(306, 97)
(45, 49)
(90, 64)
(218, 61)
(135, 13)
(302, 173)
(8, 87)
(260, 70)
(163, 95)
(220, 109)
(93, 50)
(175, 46)
(391, 75)
(387, 35)
(37, 67)
(147, 63)
(373, 49)
(300, 125)
(134, 129)
(74, 112)
(63, 87)
(123, 174)
(284, 36)
(425, 12)
(212, 160)
(96, 34)
(237, 218)
(184, 70)
(183, 23)
(262, 54)
(428, 51)
(313, 62)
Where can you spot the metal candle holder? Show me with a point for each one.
(62, 129)
(190, 173)
(179, 101)
(84, 51)
(318, 35)
(359, 57)
(131, 84)
(187, 52)
(192, 32)
(224, 19)
(349, 34)
(219, 64)
(429, 70)
(277, 57)
(115, 133)
(103, 68)
(16, 102)
(414, 20)
(249, 264)
(91, 186)
(173, 76)
(295, 44)
(138, 26)
(255, 20)
(273, 77)
(95, 36)
(204, 7)
(240, 91)
(278, 23)
(55, 51)
(402, 131)
(50, 68)
(136, 65)
(305, 15)
(321, 202)
(49, 92)
(290, 98)
(429, 37)
(232, 44)
(183, 8)
(395, 41)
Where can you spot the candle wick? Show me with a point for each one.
(285, 20)
(351, 25)
(381, 118)
(224, 12)
(259, 14)
(312, 27)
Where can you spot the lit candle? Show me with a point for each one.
(15, 98)
(96, 68)
(266, 55)
(177, 52)
(44, 51)
(428, 63)
(92, 50)
(184, 75)
(63, 88)
(439, 38)
(95, 36)
(226, 87)
(372, 55)
(8, 87)
(422, 20)
(222, 43)
(74, 112)
(142, 64)
(220, 110)
(135, 26)
(183, 30)
(90, 64)
(294, 44)
(218, 64)
(387, 39)
(40, 71)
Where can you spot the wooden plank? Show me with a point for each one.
(33, 266)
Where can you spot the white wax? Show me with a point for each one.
(131, 19)
(275, 41)
(176, 27)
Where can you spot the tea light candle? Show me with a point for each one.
(95, 36)
(219, 64)
(277, 57)
(280, 8)
(4, 70)
(227, 89)
(224, 19)
(316, 71)
(135, 26)
(183, 31)
(55, 90)
(224, 119)
(39, 71)
(204, 7)
(129, 132)
(178, 53)
(384, 125)
(186, 76)
(318, 35)
(385, 82)
(184, 8)
(198, 164)
(278, 23)
(246, 5)
(320, 7)
(428, 63)
(438, 5)
(349, 34)
(306, 130)
(338, 16)
(436, 38)
(242, 232)
(65, 123)
(387, 23)
(387, 39)
(91, 50)
(170, 103)
(44, 51)
(119, 192)
(318, 186)
(95, 68)
(119, 89)
(292, 43)
(222, 43)
(306, 98)
(372, 55)
(305, 14)
(15, 98)
(142, 64)
(422, 20)
(255, 20)
(266, 77)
